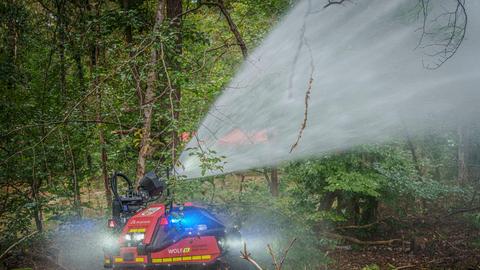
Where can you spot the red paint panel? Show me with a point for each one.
(145, 219)
(192, 246)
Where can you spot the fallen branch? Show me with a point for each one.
(405, 267)
(17, 243)
(362, 226)
(357, 226)
(460, 211)
(361, 242)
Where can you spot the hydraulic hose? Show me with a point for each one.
(114, 185)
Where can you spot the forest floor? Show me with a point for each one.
(432, 243)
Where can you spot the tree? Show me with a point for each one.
(152, 81)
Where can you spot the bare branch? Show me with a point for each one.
(274, 259)
(307, 97)
(247, 256)
(285, 253)
(443, 34)
(233, 27)
(333, 2)
(124, 131)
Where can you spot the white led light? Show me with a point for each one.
(138, 236)
(128, 237)
(201, 227)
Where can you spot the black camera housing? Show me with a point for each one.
(152, 184)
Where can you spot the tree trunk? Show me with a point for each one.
(370, 211)
(149, 98)
(174, 11)
(271, 177)
(327, 200)
(274, 183)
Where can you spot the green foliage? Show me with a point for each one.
(51, 167)
(349, 186)
(51, 164)
(209, 160)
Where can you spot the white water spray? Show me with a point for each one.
(362, 72)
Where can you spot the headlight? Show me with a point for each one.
(138, 236)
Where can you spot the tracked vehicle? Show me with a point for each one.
(149, 234)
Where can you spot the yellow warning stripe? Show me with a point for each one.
(141, 230)
(120, 260)
(182, 259)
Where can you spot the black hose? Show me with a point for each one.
(114, 185)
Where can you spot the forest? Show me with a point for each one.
(313, 172)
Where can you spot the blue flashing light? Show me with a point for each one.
(174, 220)
(189, 219)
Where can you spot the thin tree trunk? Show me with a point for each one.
(149, 98)
(36, 184)
(134, 65)
(462, 168)
(61, 29)
(103, 149)
(174, 11)
(274, 183)
(413, 152)
(416, 163)
(76, 185)
(271, 177)
(94, 60)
